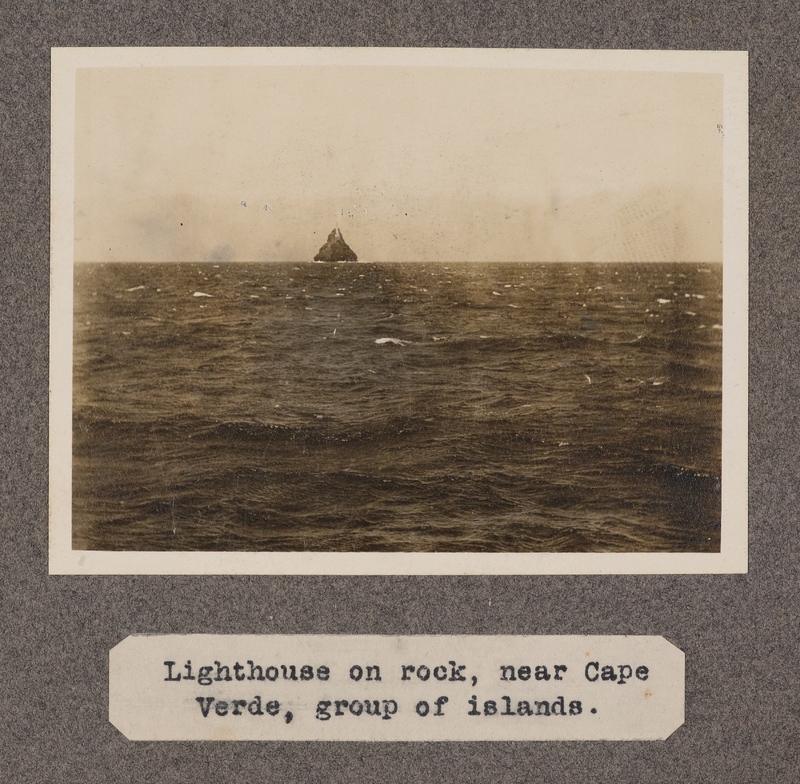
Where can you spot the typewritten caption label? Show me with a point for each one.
(404, 688)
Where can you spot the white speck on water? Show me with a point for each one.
(201, 294)
(716, 326)
(663, 301)
(135, 288)
(392, 341)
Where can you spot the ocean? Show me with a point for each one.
(428, 407)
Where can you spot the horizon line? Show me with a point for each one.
(404, 261)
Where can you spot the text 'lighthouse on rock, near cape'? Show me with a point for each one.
(335, 249)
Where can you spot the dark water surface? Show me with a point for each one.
(397, 407)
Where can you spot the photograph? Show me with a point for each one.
(351, 306)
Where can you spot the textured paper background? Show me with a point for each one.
(738, 631)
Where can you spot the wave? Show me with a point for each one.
(416, 413)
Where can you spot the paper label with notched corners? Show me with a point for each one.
(403, 688)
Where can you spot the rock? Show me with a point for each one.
(335, 249)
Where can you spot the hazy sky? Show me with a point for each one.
(411, 163)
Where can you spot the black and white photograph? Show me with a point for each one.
(328, 310)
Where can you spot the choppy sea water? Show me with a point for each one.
(397, 407)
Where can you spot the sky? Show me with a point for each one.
(259, 163)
